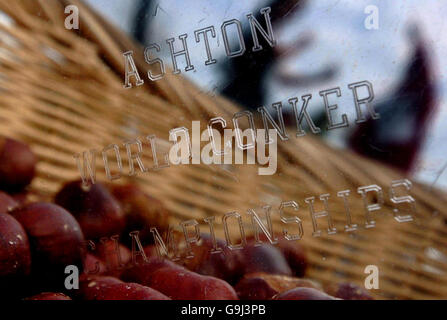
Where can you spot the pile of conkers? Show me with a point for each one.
(89, 227)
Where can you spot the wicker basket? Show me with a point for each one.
(62, 92)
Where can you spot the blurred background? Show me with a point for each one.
(321, 45)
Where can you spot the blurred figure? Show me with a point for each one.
(397, 137)
(245, 75)
(143, 15)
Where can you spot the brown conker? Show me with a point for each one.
(15, 254)
(7, 203)
(263, 286)
(348, 291)
(304, 294)
(97, 211)
(49, 296)
(54, 234)
(142, 211)
(17, 164)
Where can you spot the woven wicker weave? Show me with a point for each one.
(62, 92)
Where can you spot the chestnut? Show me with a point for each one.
(264, 258)
(142, 211)
(54, 234)
(114, 255)
(94, 287)
(348, 291)
(149, 251)
(295, 256)
(179, 283)
(49, 296)
(129, 291)
(15, 255)
(91, 286)
(304, 294)
(292, 250)
(263, 286)
(24, 197)
(7, 203)
(187, 285)
(224, 264)
(97, 211)
(17, 164)
(92, 265)
(143, 270)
